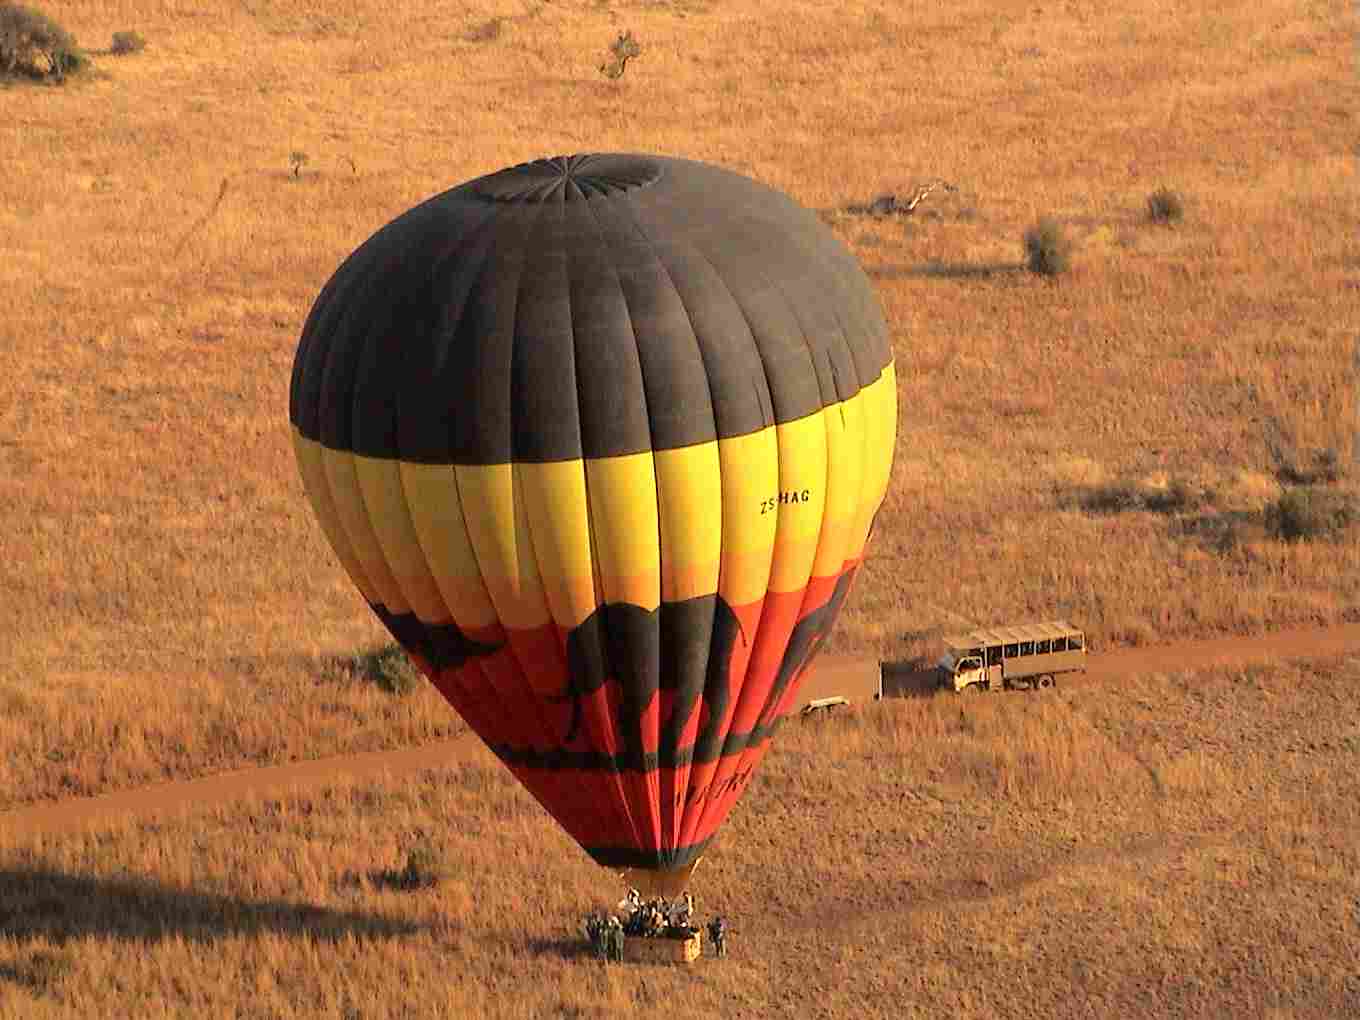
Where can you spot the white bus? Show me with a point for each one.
(1019, 658)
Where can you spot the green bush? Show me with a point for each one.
(387, 668)
(33, 45)
(126, 42)
(1048, 251)
(1165, 206)
(1308, 513)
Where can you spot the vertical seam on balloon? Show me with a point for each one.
(597, 582)
(405, 501)
(370, 340)
(348, 559)
(774, 695)
(704, 808)
(508, 646)
(328, 356)
(651, 778)
(468, 242)
(698, 707)
(529, 520)
(550, 737)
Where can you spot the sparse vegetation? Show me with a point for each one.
(33, 45)
(622, 50)
(1313, 512)
(425, 868)
(1125, 496)
(1318, 466)
(40, 973)
(126, 42)
(1165, 206)
(1048, 251)
(297, 160)
(388, 668)
(890, 204)
(1096, 840)
(182, 613)
(487, 31)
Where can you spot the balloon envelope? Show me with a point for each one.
(601, 440)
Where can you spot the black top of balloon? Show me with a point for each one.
(569, 178)
(585, 306)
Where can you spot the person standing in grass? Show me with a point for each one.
(615, 940)
(717, 931)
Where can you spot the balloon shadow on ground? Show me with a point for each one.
(560, 948)
(948, 270)
(48, 904)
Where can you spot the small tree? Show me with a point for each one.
(1048, 252)
(33, 44)
(297, 160)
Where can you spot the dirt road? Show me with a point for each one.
(1103, 667)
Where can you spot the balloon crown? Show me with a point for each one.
(569, 178)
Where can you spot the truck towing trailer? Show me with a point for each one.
(1023, 657)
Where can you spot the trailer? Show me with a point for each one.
(1024, 657)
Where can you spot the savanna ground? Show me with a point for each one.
(1102, 446)
(1181, 845)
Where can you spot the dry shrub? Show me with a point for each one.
(1048, 251)
(1312, 512)
(35, 46)
(1165, 206)
(126, 42)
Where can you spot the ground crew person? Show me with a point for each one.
(615, 940)
(717, 931)
(595, 931)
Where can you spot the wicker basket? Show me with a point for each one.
(663, 948)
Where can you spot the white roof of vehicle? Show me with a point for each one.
(1011, 635)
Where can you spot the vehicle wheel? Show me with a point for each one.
(1045, 681)
(974, 689)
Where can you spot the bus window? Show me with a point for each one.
(1026, 647)
(1041, 648)
(994, 655)
(1060, 644)
(1074, 642)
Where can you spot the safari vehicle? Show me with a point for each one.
(839, 681)
(1021, 658)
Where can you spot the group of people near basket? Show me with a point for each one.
(654, 918)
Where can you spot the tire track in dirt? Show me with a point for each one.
(167, 798)
(1103, 667)
(1175, 657)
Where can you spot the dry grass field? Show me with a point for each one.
(1104, 445)
(1178, 846)
(1098, 446)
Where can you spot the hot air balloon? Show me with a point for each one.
(601, 440)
